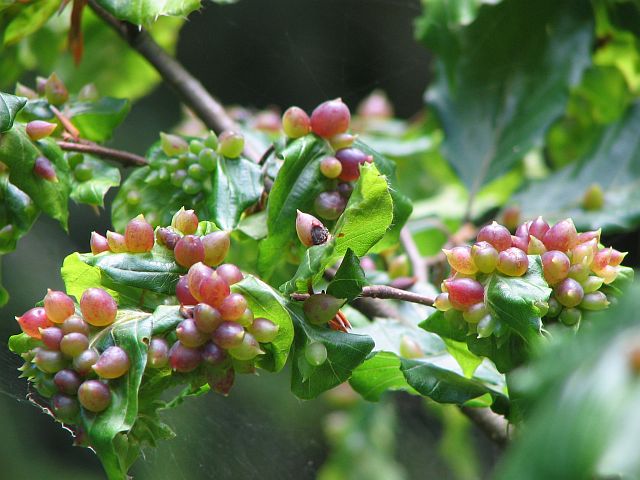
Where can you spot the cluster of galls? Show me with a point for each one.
(65, 367)
(190, 163)
(54, 91)
(330, 120)
(574, 264)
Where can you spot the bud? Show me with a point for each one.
(513, 262)
(554, 307)
(247, 350)
(562, 236)
(33, 320)
(173, 145)
(496, 235)
(116, 242)
(579, 272)
(183, 293)
(442, 302)
(94, 395)
(206, 317)
(584, 252)
(39, 129)
(65, 407)
(586, 236)
(211, 141)
(230, 273)
(593, 198)
(24, 91)
(44, 169)
(485, 256)
(228, 335)
(49, 361)
(138, 235)
(83, 362)
(342, 140)
(376, 106)
(608, 274)
(569, 292)
(475, 313)
(538, 228)
(330, 167)
(523, 231)
(216, 246)
(189, 250)
(75, 323)
(230, 144)
(409, 348)
(329, 205)
(113, 363)
(213, 355)
(601, 259)
(189, 334)
(67, 381)
(184, 359)
(167, 237)
(594, 301)
(511, 218)
(315, 354)
(264, 330)
(570, 316)
(296, 123)
(330, 118)
(486, 326)
(51, 337)
(464, 292)
(616, 257)
(461, 260)
(351, 159)
(555, 266)
(591, 284)
(520, 243)
(55, 90)
(158, 354)
(535, 247)
(398, 267)
(58, 306)
(185, 221)
(98, 307)
(321, 307)
(310, 230)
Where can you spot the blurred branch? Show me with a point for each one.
(126, 158)
(188, 88)
(418, 264)
(382, 292)
(495, 426)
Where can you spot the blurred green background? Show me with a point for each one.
(255, 53)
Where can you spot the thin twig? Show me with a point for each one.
(382, 292)
(188, 88)
(69, 127)
(418, 264)
(126, 158)
(495, 426)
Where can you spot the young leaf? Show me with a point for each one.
(237, 185)
(349, 279)
(19, 153)
(612, 164)
(92, 191)
(524, 72)
(267, 303)
(143, 12)
(296, 186)
(10, 105)
(345, 351)
(314, 261)
(97, 120)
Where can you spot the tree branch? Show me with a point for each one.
(418, 264)
(382, 292)
(188, 88)
(495, 426)
(126, 158)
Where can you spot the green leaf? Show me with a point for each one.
(97, 120)
(267, 303)
(445, 386)
(29, 19)
(402, 206)
(143, 12)
(507, 352)
(92, 191)
(512, 300)
(237, 185)
(378, 374)
(19, 153)
(368, 215)
(296, 186)
(311, 268)
(523, 71)
(613, 164)
(582, 399)
(345, 351)
(22, 343)
(349, 279)
(455, 329)
(10, 105)
(106, 430)
(16, 210)
(466, 359)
